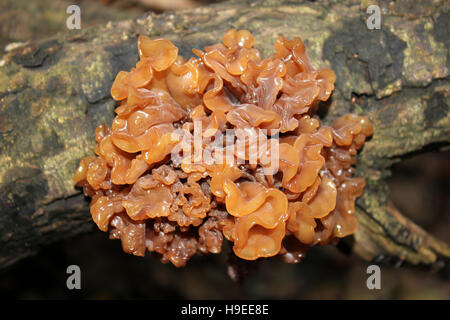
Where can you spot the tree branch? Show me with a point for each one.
(55, 92)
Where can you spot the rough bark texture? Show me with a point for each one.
(54, 93)
(24, 20)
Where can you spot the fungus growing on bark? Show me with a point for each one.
(150, 190)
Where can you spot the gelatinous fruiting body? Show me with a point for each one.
(280, 185)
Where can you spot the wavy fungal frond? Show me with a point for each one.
(151, 189)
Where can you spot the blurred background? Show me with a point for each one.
(420, 188)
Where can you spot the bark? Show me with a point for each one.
(24, 20)
(54, 93)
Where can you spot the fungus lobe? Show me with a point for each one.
(150, 190)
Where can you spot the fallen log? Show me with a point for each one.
(55, 92)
